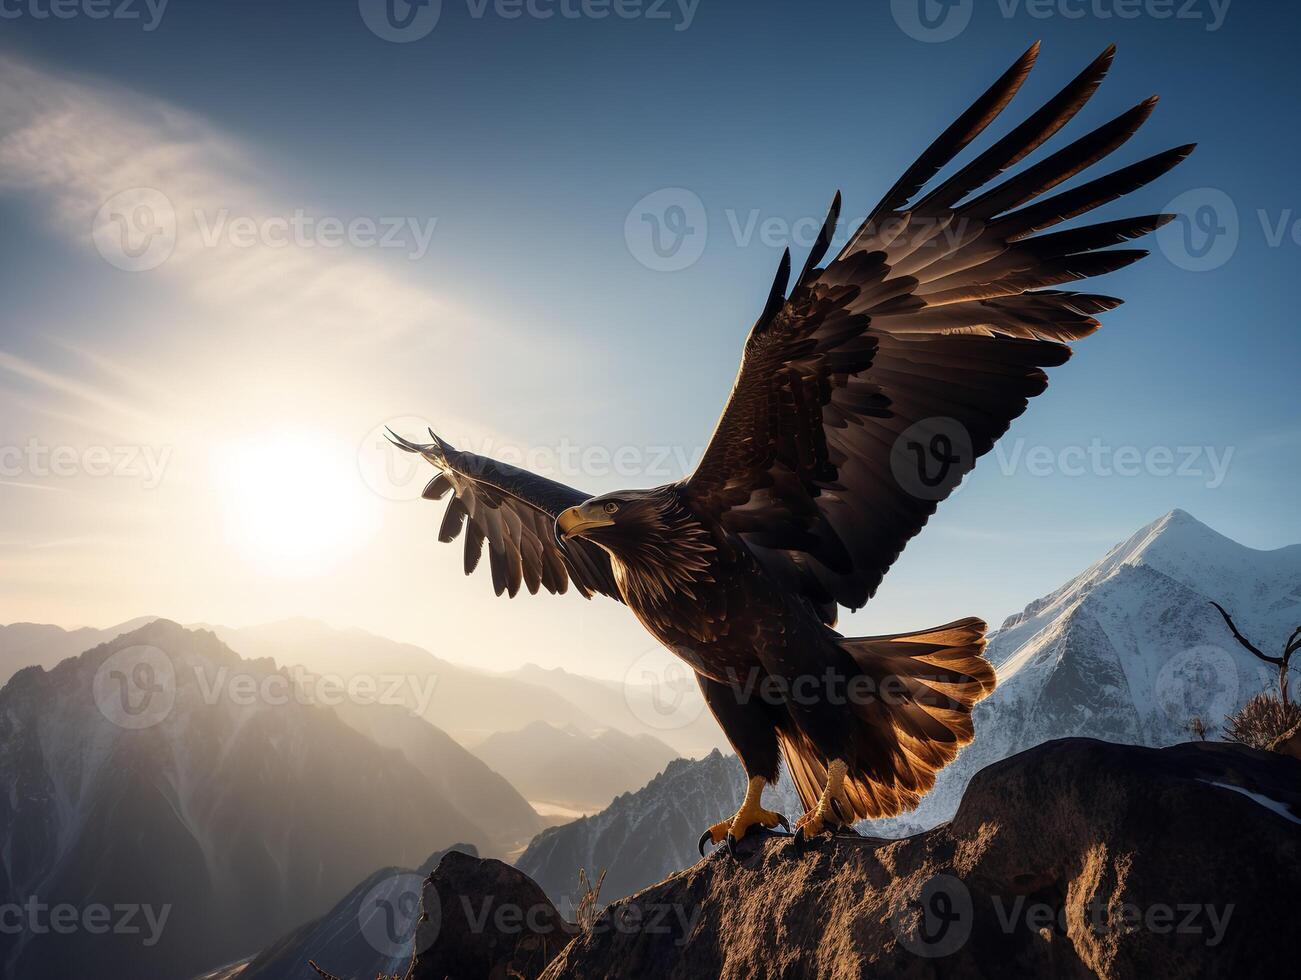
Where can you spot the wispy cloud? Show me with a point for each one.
(70, 386)
(84, 146)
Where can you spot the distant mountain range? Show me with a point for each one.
(472, 705)
(41, 645)
(469, 705)
(466, 703)
(571, 769)
(162, 773)
(1130, 650)
(676, 716)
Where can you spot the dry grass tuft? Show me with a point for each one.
(588, 907)
(1262, 721)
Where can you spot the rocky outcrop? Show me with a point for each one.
(367, 934)
(483, 919)
(1077, 858)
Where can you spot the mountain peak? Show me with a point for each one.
(1176, 522)
(1182, 549)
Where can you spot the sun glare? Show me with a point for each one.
(294, 504)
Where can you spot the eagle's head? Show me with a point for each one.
(656, 544)
(619, 522)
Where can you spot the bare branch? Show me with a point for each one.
(1293, 643)
(1243, 640)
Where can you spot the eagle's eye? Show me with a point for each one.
(610, 507)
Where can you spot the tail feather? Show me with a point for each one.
(927, 681)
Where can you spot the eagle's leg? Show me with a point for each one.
(750, 815)
(831, 805)
(750, 728)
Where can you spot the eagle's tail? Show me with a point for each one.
(910, 723)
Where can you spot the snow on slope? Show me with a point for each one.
(1130, 650)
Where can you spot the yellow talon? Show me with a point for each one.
(750, 815)
(815, 821)
(718, 831)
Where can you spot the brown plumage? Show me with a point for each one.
(866, 392)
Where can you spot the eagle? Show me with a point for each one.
(867, 390)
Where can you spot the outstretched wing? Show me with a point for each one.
(866, 395)
(513, 512)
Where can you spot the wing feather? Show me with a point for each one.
(936, 321)
(513, 512)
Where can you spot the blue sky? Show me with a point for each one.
(529, 318)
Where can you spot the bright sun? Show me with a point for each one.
(293, 501)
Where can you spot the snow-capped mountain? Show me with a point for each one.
(161, 776)
(1130, 650)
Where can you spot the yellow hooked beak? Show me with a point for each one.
(577, 520)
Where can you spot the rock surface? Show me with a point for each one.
(367, 934)
(1077, 858)
(483, 919)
